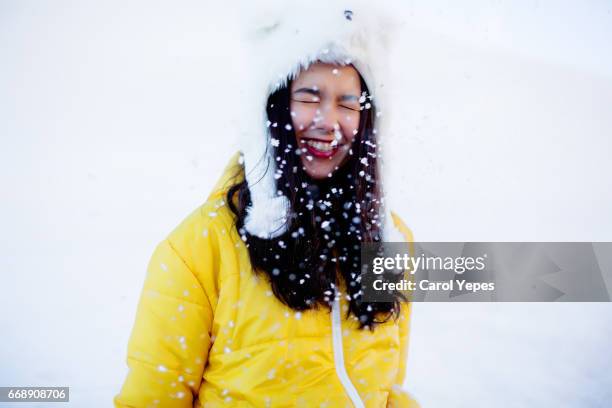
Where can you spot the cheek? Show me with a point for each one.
(302, 117)
(349, 122)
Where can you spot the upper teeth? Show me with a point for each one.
(322, 146)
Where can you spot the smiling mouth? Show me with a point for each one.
(320, 145)
(321, 148)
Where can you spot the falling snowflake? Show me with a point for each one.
(271, 374)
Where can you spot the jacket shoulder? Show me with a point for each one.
(209, 231)
(213, 216)
(204, 231)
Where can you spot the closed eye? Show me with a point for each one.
(350, 108)
(304, 101)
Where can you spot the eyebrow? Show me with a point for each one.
(316, 92)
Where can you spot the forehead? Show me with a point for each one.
(329, 77)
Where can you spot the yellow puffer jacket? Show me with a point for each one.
(209, 333)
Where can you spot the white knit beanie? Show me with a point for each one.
(283, 38)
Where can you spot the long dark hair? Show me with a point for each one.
(329, 219)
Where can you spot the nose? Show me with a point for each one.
(326, 118)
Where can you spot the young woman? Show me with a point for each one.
(255, 298)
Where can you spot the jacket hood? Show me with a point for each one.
(284, 38)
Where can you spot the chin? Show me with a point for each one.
(320, 171)
(315, 171)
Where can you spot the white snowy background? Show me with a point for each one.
(114, 126)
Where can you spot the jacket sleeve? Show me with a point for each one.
(399, 397)
(170, 339)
